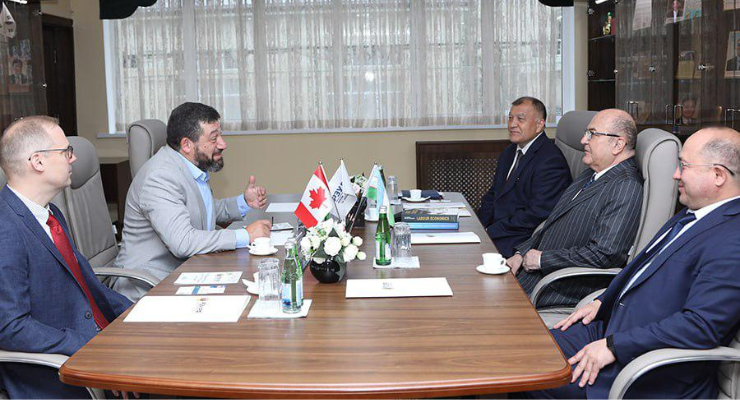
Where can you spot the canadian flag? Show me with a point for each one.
(316, 202)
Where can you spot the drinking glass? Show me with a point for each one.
(402, 242)
(269, 282)
(392, 187)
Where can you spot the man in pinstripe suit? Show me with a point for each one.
(596, 220)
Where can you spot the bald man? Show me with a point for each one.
(50, 300)
(682, 291)
(595, 222)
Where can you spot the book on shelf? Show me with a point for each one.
(434, 218)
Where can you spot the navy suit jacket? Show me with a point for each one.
(42, 307)
(512, 210)
(687, 298)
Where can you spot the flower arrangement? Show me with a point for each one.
(329, 240)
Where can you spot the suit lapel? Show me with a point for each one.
(528, 156)
(565, 202)
(191, 185)
(713, 219)
(33, 224)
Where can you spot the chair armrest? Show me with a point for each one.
(659, 358)
(565, 273)
(47, 360)
(142, 276)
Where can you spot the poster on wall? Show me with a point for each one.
(19, 65)
(680, 10)
(643, 14)
(732, 66)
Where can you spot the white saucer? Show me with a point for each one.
(270, 252)
(253, 289)
(492, 271)
(419, 200)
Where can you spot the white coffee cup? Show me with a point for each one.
(261, 244)
(493, 260)
(415, 194)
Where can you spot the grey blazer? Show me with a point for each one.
(165, 221)
(594, 230)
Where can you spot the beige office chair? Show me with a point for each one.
(48, 360)
(145, 138)
(657, 157)
(86, 210)
(568, 136)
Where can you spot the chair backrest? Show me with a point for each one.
(657, 157)
(86, 209)
(729, 375)
(144, 138)
(568, 136)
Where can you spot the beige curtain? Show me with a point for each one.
(328, 64)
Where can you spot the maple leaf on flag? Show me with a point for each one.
(317, 197)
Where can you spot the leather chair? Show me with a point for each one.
(657, 157)
(568, 136)
(145, 138)
(87, 215)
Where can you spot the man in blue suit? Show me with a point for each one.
(50, 299)
(682, 291)
(531, 175)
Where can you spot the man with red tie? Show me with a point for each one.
(50, 299)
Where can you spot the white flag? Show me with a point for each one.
(341, 192)
(8, 23)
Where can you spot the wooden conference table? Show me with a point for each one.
(487, 338)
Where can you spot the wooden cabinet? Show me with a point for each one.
(601, 56)
(672, 66)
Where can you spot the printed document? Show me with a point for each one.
(441, 238)
(208, 278)
(188, 309)
(281, 207)
(399, 287)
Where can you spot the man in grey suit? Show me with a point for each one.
(171, 214)
(596, 220)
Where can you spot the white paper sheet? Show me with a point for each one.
(400, 287)
(201, 290)
(412, 262)
(441, 238)
(281, 207)
(208, 278)
(188, 309)
(278, 238)
(259, 311)
(464, 213)
(411, 206)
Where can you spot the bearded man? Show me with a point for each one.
(171, 214)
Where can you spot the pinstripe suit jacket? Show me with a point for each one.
(594, 230)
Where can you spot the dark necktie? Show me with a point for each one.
(519, 155)
(689, 217)
(62, 243)
(589, 182)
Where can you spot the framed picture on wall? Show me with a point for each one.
(732, 65)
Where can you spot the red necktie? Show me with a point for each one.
(62, 243)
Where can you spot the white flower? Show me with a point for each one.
(327, 225)
(315, 242)
(361, 256)
(357, 241)
(350, 253)
(306, 245)
(346, 240)
(332, 246)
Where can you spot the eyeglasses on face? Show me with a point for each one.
(68, 151)
(588, 134)
(684, 164)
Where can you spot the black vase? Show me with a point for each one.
(328, 271)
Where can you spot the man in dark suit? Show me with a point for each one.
(50, 299)
(596, 220)
(733, 64)
(682, 291)
(531, 174)
(18, 77)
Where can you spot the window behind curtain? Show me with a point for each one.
(325, 64)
